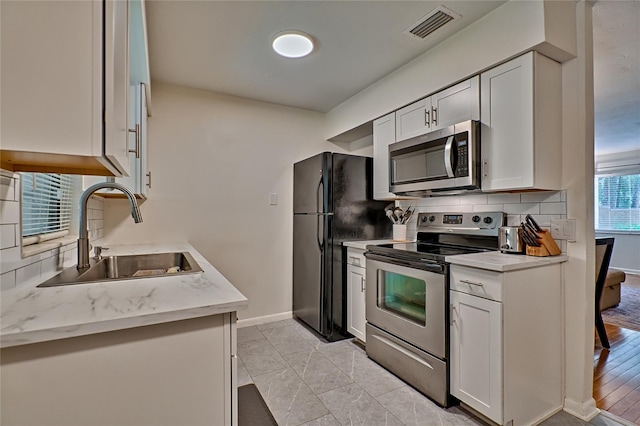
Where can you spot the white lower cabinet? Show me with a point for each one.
(506, 342)
(175, 373)
(356, 318)
(476, 352)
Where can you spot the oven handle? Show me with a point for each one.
(425, 265)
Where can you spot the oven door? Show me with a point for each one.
(408, 300)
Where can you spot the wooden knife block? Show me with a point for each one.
(548, 246)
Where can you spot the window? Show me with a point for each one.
(617, 203)
(46, 206)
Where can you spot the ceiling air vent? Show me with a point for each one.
(431, 22)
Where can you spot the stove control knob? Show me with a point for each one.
(488, 220)
(424, 219)
(475, 219)
(432, 218)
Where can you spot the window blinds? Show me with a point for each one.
(617, 203)
(46, 203)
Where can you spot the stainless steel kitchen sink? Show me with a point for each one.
(134, 266)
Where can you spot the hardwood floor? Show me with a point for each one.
(616, 376)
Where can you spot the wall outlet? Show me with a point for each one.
(563, 229)
(273, 199)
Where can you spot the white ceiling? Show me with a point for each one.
(225, 47)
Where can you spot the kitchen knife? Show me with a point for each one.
(531, 236)
(533, 223)
(525, 236)
(531, 229)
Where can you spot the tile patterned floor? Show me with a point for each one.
(306, 381)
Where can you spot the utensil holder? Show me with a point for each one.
(400, 232)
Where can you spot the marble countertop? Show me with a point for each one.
(29, 314)
(502, 262)
(362, 245)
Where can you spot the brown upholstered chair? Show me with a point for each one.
(611, 292)
(604, 247)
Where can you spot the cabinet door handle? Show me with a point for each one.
(427, 118)
(485, 168)
(452, 309)
(362, 287)
(149, 179)
(137, 132)
(472, 283)
(434, 115)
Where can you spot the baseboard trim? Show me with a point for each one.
(616, 418)
(264, 319)
(583, 410)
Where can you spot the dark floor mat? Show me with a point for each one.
(252, 410)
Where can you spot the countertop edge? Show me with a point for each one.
(499, 262)
(64, 332)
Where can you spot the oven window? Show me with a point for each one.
(402, 295)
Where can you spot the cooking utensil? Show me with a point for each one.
(398, 213)
(407, 214)
(391, 216)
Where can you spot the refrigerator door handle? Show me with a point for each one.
(320, 193)
(320, 235)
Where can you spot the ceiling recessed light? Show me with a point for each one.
(292, 44)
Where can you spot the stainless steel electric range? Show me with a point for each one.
(407, 296)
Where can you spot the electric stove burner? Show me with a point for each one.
(447, 234)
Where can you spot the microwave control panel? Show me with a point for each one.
(462, 148)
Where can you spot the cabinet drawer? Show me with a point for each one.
(355, 257)
(478, 282)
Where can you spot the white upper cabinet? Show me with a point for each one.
(521, 132)
(384, 134)
(139, 179)
(56, 76)
(458, 103)
(414, 119)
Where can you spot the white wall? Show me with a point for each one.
(214, 160)
(626, 251)
(577, 179)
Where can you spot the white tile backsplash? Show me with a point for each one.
(8, 280)
(9, 212)
(553, 208)
(29, 274)
(7, 188)
(17, 270)
(522, 208)
(7, 236)
(541, 197)
(503, 198)
(542, 205)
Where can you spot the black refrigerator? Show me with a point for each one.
(332, 202)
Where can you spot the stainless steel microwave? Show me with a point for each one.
(441, 161)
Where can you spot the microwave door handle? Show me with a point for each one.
(448, 158)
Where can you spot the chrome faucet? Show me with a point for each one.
(83, 235)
